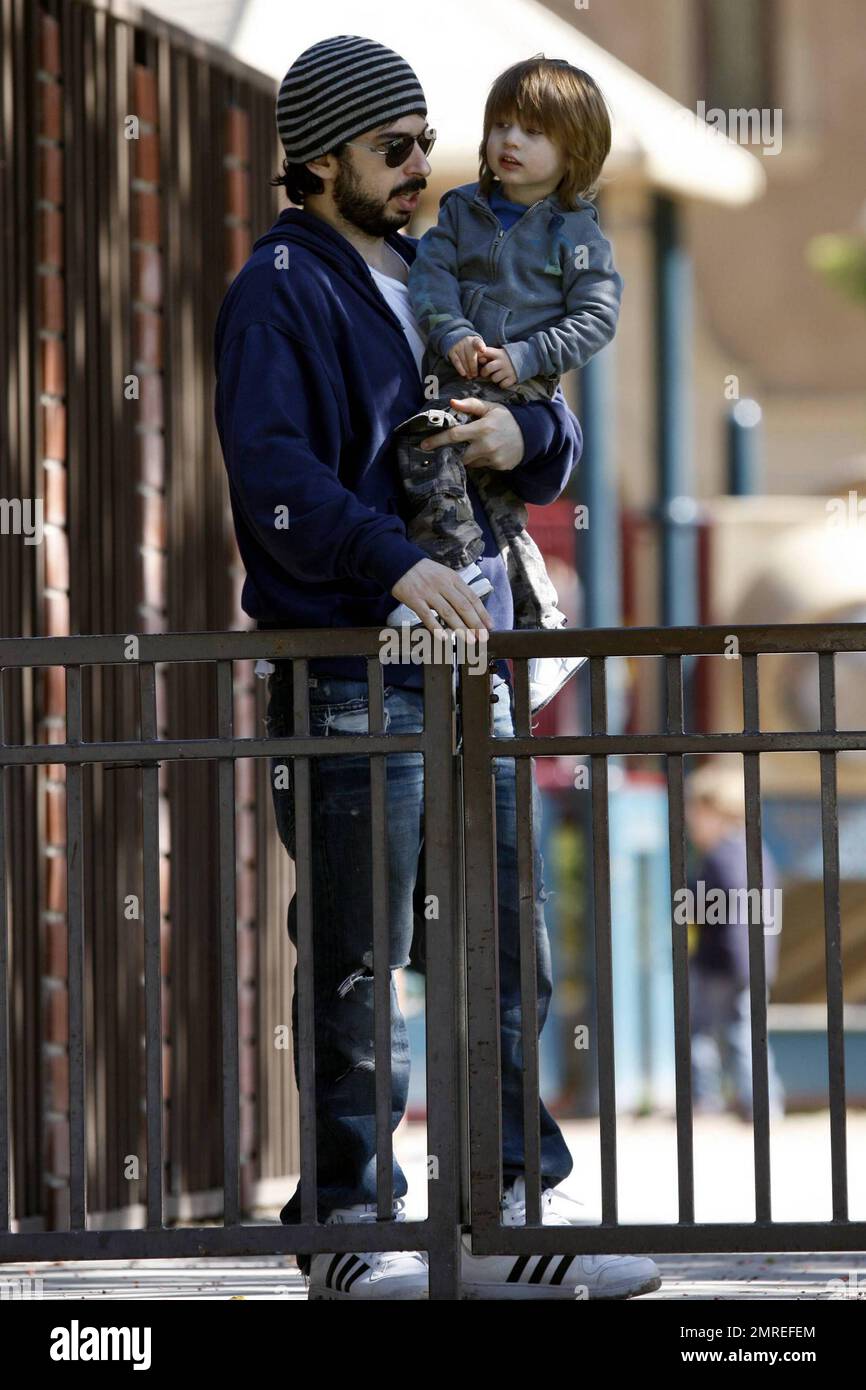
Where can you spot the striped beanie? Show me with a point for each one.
(340, 87)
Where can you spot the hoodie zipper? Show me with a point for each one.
(502, 235)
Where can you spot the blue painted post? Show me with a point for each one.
(677, 509)
(744, 447)
(598, 543)
(597, 547)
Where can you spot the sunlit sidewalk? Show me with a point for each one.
(646, 1165)
(685, 1277)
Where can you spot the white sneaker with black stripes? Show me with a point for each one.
(393, 1274)
(547, 676)
(574, 1277)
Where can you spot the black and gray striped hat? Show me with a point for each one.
(340, 87)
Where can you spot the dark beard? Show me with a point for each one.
(366, 213)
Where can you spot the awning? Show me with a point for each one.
(457, 48)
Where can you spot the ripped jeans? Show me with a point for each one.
(342, 932)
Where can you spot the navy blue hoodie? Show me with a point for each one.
(724, 946)
(314, 372)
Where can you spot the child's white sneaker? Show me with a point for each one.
(472, 575)
(547, 676)
(426, 422)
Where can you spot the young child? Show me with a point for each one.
(719, 993)
(514, 286)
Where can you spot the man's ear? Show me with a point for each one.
(325, 165)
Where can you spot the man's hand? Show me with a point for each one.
(464, 355)
(495, 439)
(498, 367)
(429, 585)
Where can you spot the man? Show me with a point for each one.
(318, 360)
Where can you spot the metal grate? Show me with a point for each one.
(440, 1232)
(485, 1100)
(464, 1125)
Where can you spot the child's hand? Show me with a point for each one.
(498, 367)
(464, 355)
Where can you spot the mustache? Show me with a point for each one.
(414, 186)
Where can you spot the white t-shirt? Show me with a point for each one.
(397, 296)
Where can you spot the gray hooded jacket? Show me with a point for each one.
(546, 288)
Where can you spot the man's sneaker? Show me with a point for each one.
(547, 676)
(394, 1274)
(575, 1277)
(555, 1206)
(403, 615)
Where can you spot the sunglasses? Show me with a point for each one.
(397, 151)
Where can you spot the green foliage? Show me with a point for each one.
(841, 260)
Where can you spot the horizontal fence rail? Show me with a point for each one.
(462, 1006)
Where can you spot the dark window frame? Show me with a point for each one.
(709, 81)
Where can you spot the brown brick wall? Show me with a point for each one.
(114, 292)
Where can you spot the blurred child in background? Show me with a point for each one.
(719, 964)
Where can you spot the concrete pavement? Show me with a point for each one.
(646, 1165)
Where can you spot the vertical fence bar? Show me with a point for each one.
(381, 947)
(75, 935)
(680, 948)
(833, 943)
(228, 953)
(603, 945)
(109, 1083)
(757, 960)
(5, 1059)
(152, 952)
(482, 954)
(528, 962)
(443, 996)
(306, 1041)
(459, 960)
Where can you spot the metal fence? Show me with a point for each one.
(745, 644)
(462, 1013)
(146, 752)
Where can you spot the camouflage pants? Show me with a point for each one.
(441, 519)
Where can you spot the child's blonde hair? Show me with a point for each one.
(568, 106)
(720, 787)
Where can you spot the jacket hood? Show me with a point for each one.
(298, 228)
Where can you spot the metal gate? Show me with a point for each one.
(440, 1233)
(743, 644)
(462, 1014)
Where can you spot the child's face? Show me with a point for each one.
(524, 158)
(706, 825)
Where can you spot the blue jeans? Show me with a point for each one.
(722, 1042)
(342, 895)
